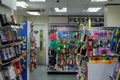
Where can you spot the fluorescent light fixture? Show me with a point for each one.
(93, 9)
(33, 13)
(64, 9)
(99, 0)
(13, 26)
(37, 0)
(22, 4)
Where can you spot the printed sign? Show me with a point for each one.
(95, 21)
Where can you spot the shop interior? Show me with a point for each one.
(59, 39)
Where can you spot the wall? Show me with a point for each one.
(34, 19)
(5, 10)
(58, 19)
(37, 19)
(40, 22)
(112, 16)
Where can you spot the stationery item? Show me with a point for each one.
(104, 51)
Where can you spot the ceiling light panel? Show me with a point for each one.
(93, 9)
(99, 0)
(22, 4)
(64, 9)
(33, 13)
(37, 0)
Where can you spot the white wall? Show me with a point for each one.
(40, 23)
(37, 19)
(112, 16)
(5, 10)
(34, 19)
(58, 19)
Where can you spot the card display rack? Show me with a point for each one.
(11, 55)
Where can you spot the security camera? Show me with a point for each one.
(57, 1)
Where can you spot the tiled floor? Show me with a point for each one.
(41, 74)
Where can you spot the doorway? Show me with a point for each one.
(41, 35)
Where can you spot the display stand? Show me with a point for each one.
(24, 34)
(101, 60)
(64, 44)
(11, 56)
(33, 52)
(115, 48)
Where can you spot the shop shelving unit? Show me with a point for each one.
(64, 40)
(101, 59)
(11, 55)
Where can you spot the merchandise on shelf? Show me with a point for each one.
(33, 63)
(115, 48)
(99, 42)
(116, 73)
(115, 43)
(24, 35)
(64, 45)
(82, 74)
(11, 56)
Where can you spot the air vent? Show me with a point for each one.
(36, 10)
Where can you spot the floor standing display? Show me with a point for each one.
(101, 60)
(64, 45)
(24, 34)
(12, 58)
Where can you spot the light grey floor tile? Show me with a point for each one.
(41, 74)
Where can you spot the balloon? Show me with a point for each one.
(58, 50)
(53, 36)
(57, 43)
(64, 46)
(60, 34)
(73, 34)
(68, 41)
(52, 44)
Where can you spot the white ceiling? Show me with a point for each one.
(75, 7)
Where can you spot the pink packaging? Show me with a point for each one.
(96, 34)
(104, 51)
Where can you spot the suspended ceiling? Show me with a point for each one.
(74, 7)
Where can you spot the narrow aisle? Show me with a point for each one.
(41, 74)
